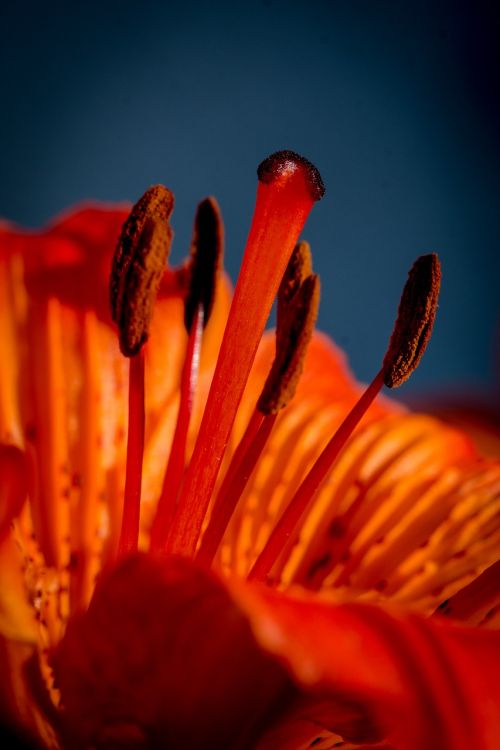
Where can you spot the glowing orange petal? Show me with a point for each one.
(164, 641)
(17, 616)
(427, 684)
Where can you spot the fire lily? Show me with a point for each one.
(217, 539)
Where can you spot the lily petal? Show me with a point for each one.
(164, 641)
(426, 683)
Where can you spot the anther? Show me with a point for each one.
(205, 261)
(413, 327)
(298, 269)
(298, 301)
(138, 265)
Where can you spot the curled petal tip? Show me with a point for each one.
(287, 163)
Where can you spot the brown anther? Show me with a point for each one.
(286, 162)
(138, 264)
(413, 327)
(205, 262)
(298, 301)
(299, 268)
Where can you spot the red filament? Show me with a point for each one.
(176, 462)
(244, 462)
(129, 536)
(302, 499)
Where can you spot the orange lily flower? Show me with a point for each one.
(220, 540)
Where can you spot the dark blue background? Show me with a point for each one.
(396, 102)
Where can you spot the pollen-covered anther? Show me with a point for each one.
(298, 269)
(138, 265)
(283, 164)
(205, 262)
(298, 301)
(413, 327)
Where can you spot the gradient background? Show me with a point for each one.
(396, 102)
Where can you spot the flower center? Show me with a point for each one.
(272, 264)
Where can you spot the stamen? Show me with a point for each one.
(232, 489)
(413, 327)
(138, 265)
(298, 299)
(204, 268)
(175, 467)
(294, 329)
(415, 318)
(205, 264)
(288, 187)
(298, 269)
(129, 535)
(305, 494)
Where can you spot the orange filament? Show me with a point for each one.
(287, 190)
(305, 494)
(247, 456)
(129, 536)
(252, 428)
(176, 461)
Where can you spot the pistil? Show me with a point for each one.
(409, 339)
(288, 187)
